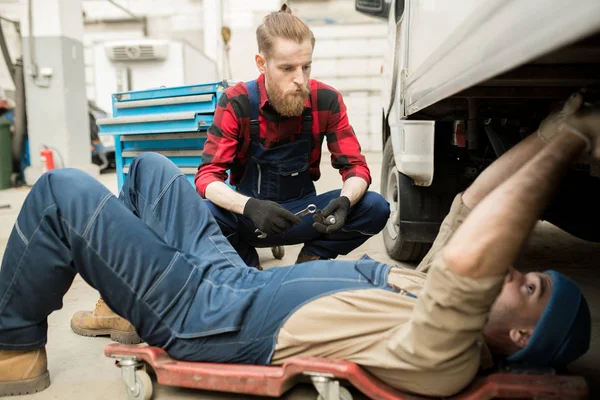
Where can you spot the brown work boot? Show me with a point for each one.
(104, 322)
(23, 372)
(303, 257)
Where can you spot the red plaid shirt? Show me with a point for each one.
(229, 136)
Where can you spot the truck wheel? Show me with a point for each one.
(393, 184)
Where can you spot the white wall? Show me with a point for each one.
(175, 19)
(49, 20)
(243, 17)
(183, 65)
(96, 64)
(150, 8)
(348, 54)
(198, 67)
(349, 57)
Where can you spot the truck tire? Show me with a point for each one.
(393, 185)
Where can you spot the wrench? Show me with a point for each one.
(310, 209)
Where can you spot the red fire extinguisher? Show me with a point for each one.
(47, 159)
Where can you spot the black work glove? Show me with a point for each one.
(269, 216)
(332, 217)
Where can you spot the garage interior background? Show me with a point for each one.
(139, 44)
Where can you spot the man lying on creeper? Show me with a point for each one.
(158, 258)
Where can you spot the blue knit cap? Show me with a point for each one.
(563, 332)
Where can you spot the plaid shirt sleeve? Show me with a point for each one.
(345, 150)
(220, 147)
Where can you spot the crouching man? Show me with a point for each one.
(159, 260)
(269, 134)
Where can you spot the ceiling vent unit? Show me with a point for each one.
(154, 50)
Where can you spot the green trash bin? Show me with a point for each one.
(6, 163)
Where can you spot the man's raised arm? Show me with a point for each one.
(489, 241)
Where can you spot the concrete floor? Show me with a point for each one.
(79, 369)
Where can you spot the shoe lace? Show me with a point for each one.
(100, 302)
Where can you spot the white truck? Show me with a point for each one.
(464, 80)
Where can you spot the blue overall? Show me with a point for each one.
(282, 174)
(158, 258)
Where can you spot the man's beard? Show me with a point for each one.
(285, 103)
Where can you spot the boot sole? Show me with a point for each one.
(117, 336)
(25, 386)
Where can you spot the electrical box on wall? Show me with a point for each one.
(142, 64)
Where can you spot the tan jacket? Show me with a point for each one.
(430, 345)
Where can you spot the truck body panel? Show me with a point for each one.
(484, 40)
(463, 81)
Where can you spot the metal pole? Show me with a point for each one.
(32, 62)
(20, 111)
(6, 54)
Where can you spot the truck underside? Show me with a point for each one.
(473, 128)
(527, 93)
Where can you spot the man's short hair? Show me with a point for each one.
(282, 24)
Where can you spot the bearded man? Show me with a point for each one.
(269, 133)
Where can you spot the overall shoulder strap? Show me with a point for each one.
(307, 116)
(307, 120)
(254, 97)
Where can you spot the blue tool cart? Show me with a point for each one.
(169, 121)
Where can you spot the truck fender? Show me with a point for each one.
(413, 142)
